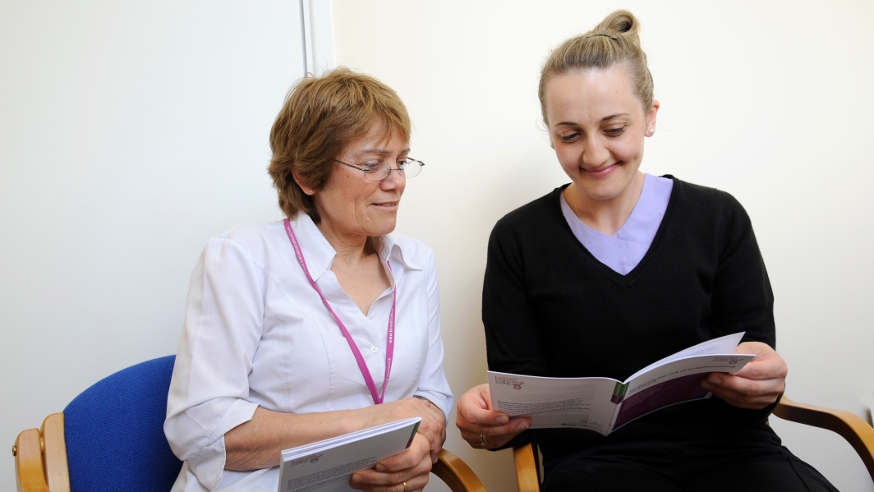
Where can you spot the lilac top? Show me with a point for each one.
(624, 250)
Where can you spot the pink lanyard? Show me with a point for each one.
(377, 398)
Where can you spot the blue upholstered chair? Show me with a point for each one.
(111, 437)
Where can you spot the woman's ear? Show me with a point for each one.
(300, 182)
(651, 118)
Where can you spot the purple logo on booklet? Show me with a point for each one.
(515, 383)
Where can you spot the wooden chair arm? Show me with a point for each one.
(41, 458)
(849, 425)
(456, 474)
(527, 468)
(29, 473)
(54, 453)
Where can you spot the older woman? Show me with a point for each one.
(618, 269)
(319, 325)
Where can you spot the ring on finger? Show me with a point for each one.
(405, 486)
(483, 440)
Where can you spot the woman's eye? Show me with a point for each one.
(615, 131)
(371, 166)
(569, 137)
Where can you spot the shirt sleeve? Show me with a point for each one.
(223, 326)
(432, 382)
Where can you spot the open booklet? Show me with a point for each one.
(326, 466)
(603, 404)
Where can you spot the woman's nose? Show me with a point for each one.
(394, 180)
(594, 152)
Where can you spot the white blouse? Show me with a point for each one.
(257, 333)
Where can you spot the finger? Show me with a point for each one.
(470, 417)
(417, 483)
(512, 428)
(767, 364)
(747, 386)
(373, 480)
(428, 430)
(744, 393)
(414, 456)
(436, 446)
(479, 441)
(493, 437)
(757, 348)
(378, 482)
(475, 407)
(433, 424)
(764, 368)
(384, 480)
(413, 484)
(434, 450)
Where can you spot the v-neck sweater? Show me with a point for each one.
(550, 308)
(623, 250)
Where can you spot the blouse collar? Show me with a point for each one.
(320, 254)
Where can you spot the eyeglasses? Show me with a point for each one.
(409, 168)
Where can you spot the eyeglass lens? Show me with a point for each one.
(408, 169)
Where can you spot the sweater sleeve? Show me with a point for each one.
(513, 340)
(742, 298)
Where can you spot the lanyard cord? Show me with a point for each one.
(377, 398)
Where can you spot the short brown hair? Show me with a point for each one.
(321, 115)
(615, 41)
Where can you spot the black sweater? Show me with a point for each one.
(551, 309)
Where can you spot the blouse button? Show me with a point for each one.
(374, 349)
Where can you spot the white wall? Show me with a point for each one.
(771, 101)
(131, 133)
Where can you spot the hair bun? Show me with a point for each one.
(614, 41)
(621, 22)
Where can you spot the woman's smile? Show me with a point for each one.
(601, 172)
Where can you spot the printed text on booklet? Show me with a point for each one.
(326, 466)
(604, 404)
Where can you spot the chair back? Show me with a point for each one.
(115, 432)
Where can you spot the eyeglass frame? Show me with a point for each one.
(390, 169)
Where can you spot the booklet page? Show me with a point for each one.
(326, 466)
(555, 402)
(604, 404)
(674, 382)
(721, 345)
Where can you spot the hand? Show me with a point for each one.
(757, 385)
(432, 427)
(412, 466)
(475, 418)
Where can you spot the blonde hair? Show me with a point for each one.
(321, 115)
(615, 41)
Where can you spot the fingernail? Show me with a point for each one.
(503, 419)
(380, 467)
(521, 427)
(356, 478)
(715, 380)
